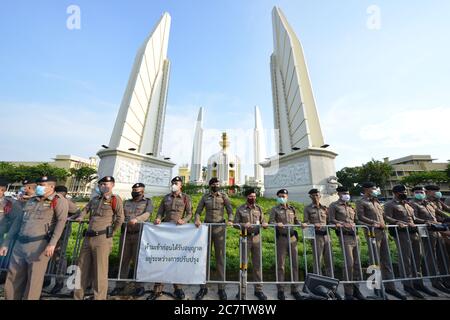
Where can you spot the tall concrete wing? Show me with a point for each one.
(134, 151)
(303, 161)
(295, 113)
(140, 122)
(259, 147)
(196, 162)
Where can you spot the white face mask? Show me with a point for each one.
(174, 188)
(345, 197)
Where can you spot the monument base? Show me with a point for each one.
(128, 168)
(300, 171)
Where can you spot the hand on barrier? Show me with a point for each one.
(197, 223)
(280, 224)
(338, 225)
(180, 222)
(265, 225)
(133, 221)
(401, 225)
(247, 225)
(157, 221)
(411, 225)
(75, 219)
(3, 251)
(229, 223)
(49, 251)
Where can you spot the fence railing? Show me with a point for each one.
(357, 255)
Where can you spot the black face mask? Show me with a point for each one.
(215, 188)
(135, 194)
(402, 196)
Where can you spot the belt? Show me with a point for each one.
(26, 239)
(346, 232)
(254, 233)
(92, 233)
(320, 233)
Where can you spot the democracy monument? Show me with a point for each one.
(302, 161)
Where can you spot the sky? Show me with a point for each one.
(379, 70)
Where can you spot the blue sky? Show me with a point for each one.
(378, 92)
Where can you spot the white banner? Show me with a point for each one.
(172, 253)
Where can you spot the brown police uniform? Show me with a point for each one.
(172, 208)
(41, 226)
(141, 211)
(285, 240)
(105, 213)
(321, 246)
(254, 215)
(434, 247)
(408, 240)
(370, 212)
(215, 203)
(341, 212)
(58, 264)
(10, 209)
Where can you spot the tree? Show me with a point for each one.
(15, 173)
(83, 176)
(424, 177)
(349, 177)
(448, 171)
(375, 171)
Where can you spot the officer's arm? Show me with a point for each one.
(199, 209)
(417, 219)
(305, 215)
(389, 214)
(13, 230)
(83, 212)
(441, 215)
(360, 213)
(73, 208)
(445, 207)
(237, 219)
(228, 206)
(332, 215)
(296, 219)
(61, 213)
(188, 210)
(272, 217)
(147, 212)
(119, 216)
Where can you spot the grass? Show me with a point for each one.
(268, 239)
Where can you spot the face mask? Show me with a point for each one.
(135, 194)
(375, 193)
(40, 191)
(104, 189)
(345, 197)
(419, 196)
(215, 188)
(402, 196)
(22, 190)
(174, 188)
(97, 190)
(281, 200)
(251, 200)
(438, 195)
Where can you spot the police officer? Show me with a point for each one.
(37, 234)
(287, 238)
(137, 210)
(215, 202)
(175, 207)
(106, 217)
(250, 216)
(371, 214)
(59, 258)
(9, 210)
(435, 257)
(27, 191)
(434, 196)
(344, 217)
(316, 214)
(399, 212)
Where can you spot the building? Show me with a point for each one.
(67, 162)
(184, 172)
(404, 166)
(224, 166)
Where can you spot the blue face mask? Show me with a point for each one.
(375, 193)
(40, 191)
(438, 194)
(419, 196)
(97, 190)
(281, 200)
(345, 197)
